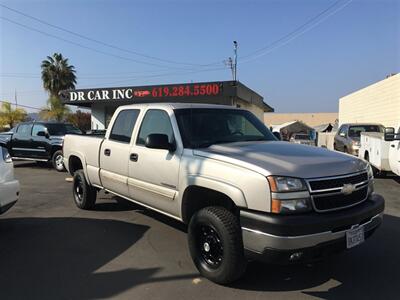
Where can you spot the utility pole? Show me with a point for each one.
(235, 46)
(232, 63)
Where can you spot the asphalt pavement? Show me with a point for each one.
(49, 249)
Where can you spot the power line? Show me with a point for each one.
(86, 47)
(101, 42)
(21, 105)
(303, 28)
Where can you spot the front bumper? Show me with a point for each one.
(9, 193)
(275, 238)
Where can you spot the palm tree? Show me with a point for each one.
(57, 75)
(10, 116)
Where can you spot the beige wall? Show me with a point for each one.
(311, 119)
(251, 107)
(377, 103)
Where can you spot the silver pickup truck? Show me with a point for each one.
(244, 194)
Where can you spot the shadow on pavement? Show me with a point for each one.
(371, 271)
(59, 258)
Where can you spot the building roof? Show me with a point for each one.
(311, 119)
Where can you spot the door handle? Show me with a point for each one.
(392, 146)
(107, 152)
(134, 157)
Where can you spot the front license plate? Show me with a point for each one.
(354, 237)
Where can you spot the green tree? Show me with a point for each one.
(80, 119)
(54, 110)
(57, 75)
(10, 116)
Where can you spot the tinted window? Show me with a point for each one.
(343, 129)
(301, 137)
(37, 128)
(155, 121)
(204, 127)
(24, 129)
(62, 129)
(123, 125)
(355, 131)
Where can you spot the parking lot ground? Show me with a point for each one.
(49, 249)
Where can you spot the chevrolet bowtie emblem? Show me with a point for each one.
(347, 189)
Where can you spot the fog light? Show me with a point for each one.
(296, 256)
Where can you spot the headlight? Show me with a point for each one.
(286, 184)
(6, 155)
(288, 195)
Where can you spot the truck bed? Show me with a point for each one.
(85, 147)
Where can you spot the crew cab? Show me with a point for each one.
(38, 141)
(244, 194)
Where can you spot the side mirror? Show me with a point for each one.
(389, 134)
(277, 135)
(159, 141)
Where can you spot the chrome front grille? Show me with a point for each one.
(332, 193)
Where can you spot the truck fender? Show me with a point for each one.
(83, 160)
(234, 193)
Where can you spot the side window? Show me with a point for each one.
(155, 121)
(123, 125)
(24, 129)
(342, 131)
(37, 128)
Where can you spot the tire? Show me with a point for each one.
(375, 171)
(216, 246)
(345, 150)
(57, 161)
(84, 194)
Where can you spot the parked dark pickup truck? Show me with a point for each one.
(38, 141)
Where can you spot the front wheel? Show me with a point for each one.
(58, 161)
(215, 244)
(84, 194)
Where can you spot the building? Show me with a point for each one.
(376, 103)
(104, 101)
(311, 119)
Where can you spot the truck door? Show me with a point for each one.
(22, 142)
(394, 154)
(40, 142)
(153, 173)
(114, 153)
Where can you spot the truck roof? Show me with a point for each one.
(174, 105)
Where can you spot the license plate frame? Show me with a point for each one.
(355, 237)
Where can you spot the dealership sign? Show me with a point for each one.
(151, 92)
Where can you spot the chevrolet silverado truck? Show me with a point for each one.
(38, 141)
(244, 194)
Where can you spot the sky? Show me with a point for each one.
(300, 55)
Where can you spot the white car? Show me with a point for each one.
(9, 186)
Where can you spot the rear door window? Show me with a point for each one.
(123, 125)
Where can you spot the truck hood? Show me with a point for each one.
(284, 159)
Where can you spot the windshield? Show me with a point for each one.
(203, 127)
(62, 129)
(355, 131)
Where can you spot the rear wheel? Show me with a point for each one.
(84, 194)
(58, 161)
(216, 246)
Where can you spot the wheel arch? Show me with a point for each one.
(202, 192)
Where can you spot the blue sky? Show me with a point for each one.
(354, 44)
